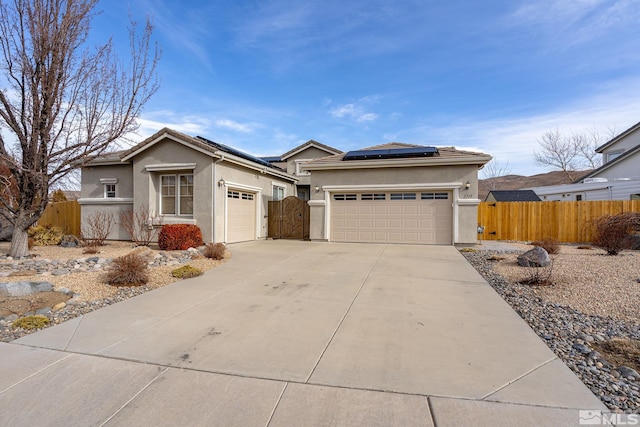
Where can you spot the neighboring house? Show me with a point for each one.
(617, 179)
(184, 179)
(396, 193)
(293, 160)
(512, 196)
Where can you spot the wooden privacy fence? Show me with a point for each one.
(568, 222)
(62, 214)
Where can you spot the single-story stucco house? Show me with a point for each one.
(396, 193)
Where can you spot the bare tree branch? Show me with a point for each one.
(62, 102)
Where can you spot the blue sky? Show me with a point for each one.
(265, 76)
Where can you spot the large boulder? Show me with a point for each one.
(18, 289)
(536, 257)
(6, 233)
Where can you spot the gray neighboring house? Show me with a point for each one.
(184, 179)
(617, 179)
(396, 193)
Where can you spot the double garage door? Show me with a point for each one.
(241, 216)
(420, 217)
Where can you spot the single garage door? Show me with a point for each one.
(241, 216)
(392, 217)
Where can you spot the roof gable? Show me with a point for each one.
(309, 144)
(446, 156)
(513, 196)
(617, 138)
(205, 146)
(621, 158)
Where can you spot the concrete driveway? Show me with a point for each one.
(292, 333)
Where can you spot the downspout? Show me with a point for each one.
(214, 185)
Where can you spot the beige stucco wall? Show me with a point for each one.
(146, 184)
(92, 198)
(307, 154)
(92, 188)
(242, 178)
(467, 208)
(209, 197)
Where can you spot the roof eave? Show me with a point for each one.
(423, 161)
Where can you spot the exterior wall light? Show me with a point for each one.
(317, 189)
(467, 185)
(221, 183)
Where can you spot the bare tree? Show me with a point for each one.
(557, 151)
(492, 170)
(62, 102)
(586, 143)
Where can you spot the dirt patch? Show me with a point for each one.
(19, 305)
(620, 352)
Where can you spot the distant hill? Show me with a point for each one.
(516, 182)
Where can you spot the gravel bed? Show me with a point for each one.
(84, 280)
(568, 332)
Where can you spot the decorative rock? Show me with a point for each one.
(17, 289)
(60, 271)
(536, 257)
(627, 372)
(59, 306)
(582, 348)
(43, 311)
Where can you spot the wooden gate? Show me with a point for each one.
(289, 219)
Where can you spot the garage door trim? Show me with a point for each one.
(454, 187)
(257, 191)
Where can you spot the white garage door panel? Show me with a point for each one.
(409, 220)
(241, 216)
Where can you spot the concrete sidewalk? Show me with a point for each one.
(298, 333)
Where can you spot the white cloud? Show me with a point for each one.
(514, 139)
(235, 126)
(357, 110)
(152, 122)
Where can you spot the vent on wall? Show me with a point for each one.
(393, 153)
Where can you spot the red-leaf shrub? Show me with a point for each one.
(174, 237)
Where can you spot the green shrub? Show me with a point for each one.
(186, 272)
(127, 270)
(31, 322)
(46, 235)
(548, 244)
(214, 250)
(175, 237)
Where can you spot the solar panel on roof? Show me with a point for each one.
(393, 153)
(238, 153)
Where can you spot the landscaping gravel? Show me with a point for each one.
(81, 278)
(568, 332)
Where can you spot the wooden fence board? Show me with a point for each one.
(567, 222)
(62, 214)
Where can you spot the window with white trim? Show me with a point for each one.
(278, 193)
(110, 191)
(176, 194)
